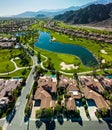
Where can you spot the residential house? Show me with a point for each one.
(6, 44)
(6, 86)
(99, 100)
(106, 82)
(45, 92)
(91, 83)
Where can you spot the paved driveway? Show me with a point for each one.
(92, 111)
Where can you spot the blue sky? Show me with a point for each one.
(12, 7)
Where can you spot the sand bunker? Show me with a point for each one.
(103, 61)
(68, 66)
(53, 39)
(103, 51)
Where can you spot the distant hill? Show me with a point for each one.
(47, 13)
(102, 2)
(52, 13)
(25, 14)
(92, 13)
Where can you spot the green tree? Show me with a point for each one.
(47, 113)
(104, 112)
(58, 109)
(38, 113)
(39, 57)
(24, 72)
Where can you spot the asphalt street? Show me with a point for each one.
(18, 122)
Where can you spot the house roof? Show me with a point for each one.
(65, 81)
(44, 96)
(6, 44)
(48, 84)
(92, 83)
(8, 85)
(71, 89)
(70, 104)
(2, 83)
(99, 100)
(107, 83)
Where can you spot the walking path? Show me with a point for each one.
(16, 68)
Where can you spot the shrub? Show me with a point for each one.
(85, 106)
(27, 111)
(47, 113)
(83, 100)
(38, 113)
(58, 109)
(27, 96)
(60, 99)
(104, 112)
(77, 113)
(98, 115)
(87, 113)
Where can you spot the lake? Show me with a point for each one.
(44, 42)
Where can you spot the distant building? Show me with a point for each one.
(6, 45)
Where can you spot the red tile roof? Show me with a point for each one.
(70, 104)
(44, 96)
(99, 100)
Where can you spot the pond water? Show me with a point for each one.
(109, 76)
(44, 42)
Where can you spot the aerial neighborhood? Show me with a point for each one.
(56, 68)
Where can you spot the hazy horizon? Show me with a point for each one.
(13, 7)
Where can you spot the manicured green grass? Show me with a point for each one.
(6, 55)
(5, 64)
(18, 74)
(57, 58)
(91, 45)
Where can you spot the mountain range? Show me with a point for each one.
(89, 14)
(52, 13)
(46, 13)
